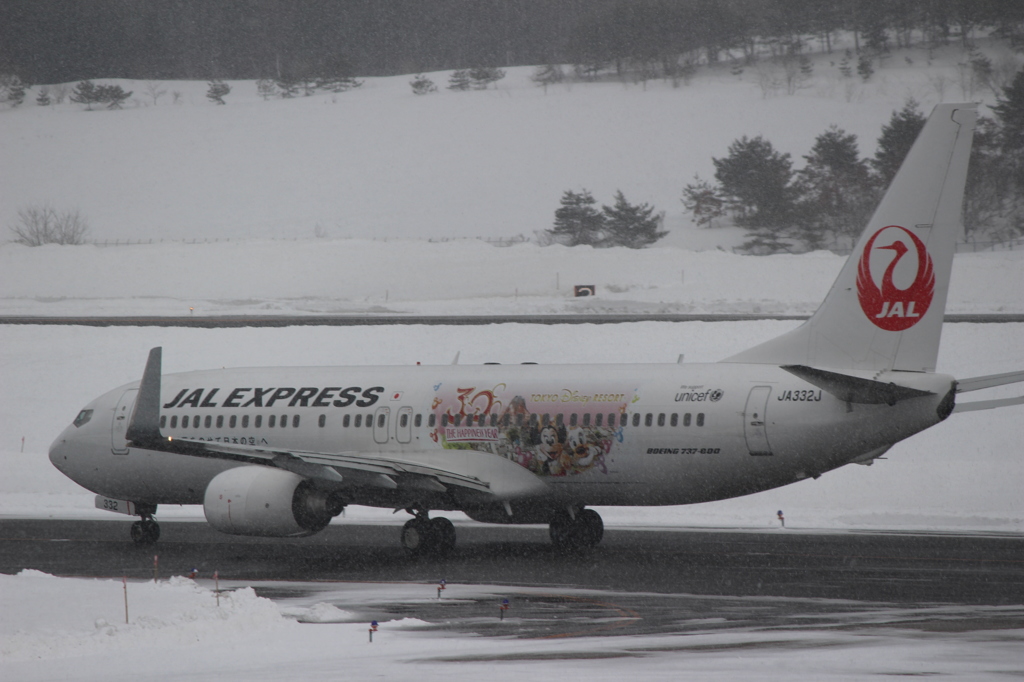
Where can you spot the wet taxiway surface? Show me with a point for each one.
(878, 567)
(763, 589)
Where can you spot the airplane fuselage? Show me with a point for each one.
(594, 435)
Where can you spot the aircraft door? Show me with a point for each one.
(122, 415)
(755, 422)
(380, 425)
(403, 426)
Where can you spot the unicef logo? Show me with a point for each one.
(716, 395)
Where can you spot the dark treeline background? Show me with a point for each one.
(49, 41)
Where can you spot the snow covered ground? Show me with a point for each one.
(378, 171)
(177, 630)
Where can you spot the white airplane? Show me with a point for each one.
(280, 451)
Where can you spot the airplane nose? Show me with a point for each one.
(58, 452)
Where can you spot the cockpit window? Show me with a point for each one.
(83, 417)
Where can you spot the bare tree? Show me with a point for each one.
(154, 90)
(38, 225)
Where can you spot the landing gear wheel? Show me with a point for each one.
(573, 535)
(417, 536)
(591, 527)
(145, 532)
(444, 535)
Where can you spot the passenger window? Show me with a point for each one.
(700, 419)
(572, 420)
(232, 421)
(220, 421)
(345, 421)
(545, 420)
(661, 419)
(369, 421)
(163, 421)
(258, 421)
(380, 420)
(174, 422)
(649, 419)
(586, 419)
(358, 421)
(636, 419)
(195, 422)
(444, 420)
(322, 421)
(533, 420)
(271, 421)
(494, 419)
(185, 422)
(686, 419)
(417, 421)
(284, 421)
(458, 420)
(209, 421)
(674, 421)
(611, 420)
(597, 419)
(403, 421)
(559, 419)
(432, 420)
(245, 421)
(295, 421)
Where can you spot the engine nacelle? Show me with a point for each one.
(258, 500)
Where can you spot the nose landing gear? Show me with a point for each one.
(146, 531)
(424, 536)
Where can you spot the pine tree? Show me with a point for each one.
(217, 91)
(864, 68)
(704, 201)
(577, 221)
(460, 80)
(43, 99)
(547, 74)
(421, 85)
(288, 87)
(15, 91)
(1010, 112)
(896, 140)
(112, 95)
(482, 76)
(756, 183)
(266, 88)
(631, 226)
(85, 93)
(836, 195)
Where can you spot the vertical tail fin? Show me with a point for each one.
(885, 309)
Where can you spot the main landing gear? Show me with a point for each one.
(146, 531)
(423, 536)
(576, 529)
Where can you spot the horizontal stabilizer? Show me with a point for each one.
(978, 383)
(855, 389)
(988, 404)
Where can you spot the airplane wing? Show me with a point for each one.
(470, 471)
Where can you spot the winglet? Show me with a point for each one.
(145, 424)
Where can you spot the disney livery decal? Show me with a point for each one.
(562, 432)
(888, 306)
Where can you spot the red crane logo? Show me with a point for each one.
(889, 307)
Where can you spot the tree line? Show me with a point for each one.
(59, 41)
(828, 201)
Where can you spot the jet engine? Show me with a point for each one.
(268, 502)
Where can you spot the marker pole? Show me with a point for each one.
(156, 566)
(216, 586)
(124, 582)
